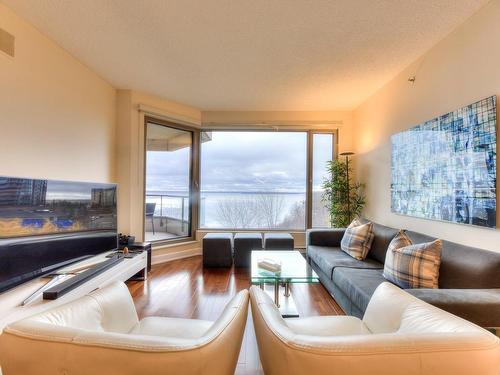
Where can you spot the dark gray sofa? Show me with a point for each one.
(469, 278)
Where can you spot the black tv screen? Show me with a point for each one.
(47, 224)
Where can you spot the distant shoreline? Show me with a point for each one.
(223, 192)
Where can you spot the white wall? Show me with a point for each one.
(57, 118)
(460, 70)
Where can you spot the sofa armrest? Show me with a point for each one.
(324, 237)
(480, 306)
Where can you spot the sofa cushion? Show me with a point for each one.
(382, 237)
(357, 239)
(413, 266)
(480, 306)
(327, 258)
(324, 237)
(358, 284)
(464, 267)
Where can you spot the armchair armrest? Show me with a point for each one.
(324, 237)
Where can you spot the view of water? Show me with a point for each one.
(251, 210)
(256, 210)
(229, 209)
(249, 180)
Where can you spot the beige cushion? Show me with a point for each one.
(357, 239)
(413, 266)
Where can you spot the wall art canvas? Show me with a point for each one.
(445, 168)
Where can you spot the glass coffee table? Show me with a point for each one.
(294, 269)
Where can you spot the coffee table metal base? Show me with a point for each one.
(286, 304)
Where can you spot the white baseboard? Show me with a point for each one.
(162, 258)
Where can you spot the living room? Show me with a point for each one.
(211, 141)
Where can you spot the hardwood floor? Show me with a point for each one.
(183, 289)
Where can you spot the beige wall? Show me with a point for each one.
(463, 68)
(57, 118)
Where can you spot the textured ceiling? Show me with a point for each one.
(248, 54)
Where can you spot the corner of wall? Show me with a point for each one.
(449, 76)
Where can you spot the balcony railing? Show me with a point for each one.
(171, 216)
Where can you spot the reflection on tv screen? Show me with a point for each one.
(37, 207)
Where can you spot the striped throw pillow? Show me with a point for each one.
(413, 266)
(399, 241)
(357, 239)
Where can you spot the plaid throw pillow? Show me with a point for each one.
(399, 241)
(357, 239)
(413, 266)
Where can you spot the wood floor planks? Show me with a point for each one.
(183, 289)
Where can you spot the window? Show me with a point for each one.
(168, 182)
(322, 153)
(258, 179)
(253, 180)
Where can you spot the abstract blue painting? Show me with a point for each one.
(445, 168)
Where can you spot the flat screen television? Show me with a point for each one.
(48, 224)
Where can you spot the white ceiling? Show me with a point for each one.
(248, 54)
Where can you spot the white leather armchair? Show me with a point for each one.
(101, 334)
(399, 335)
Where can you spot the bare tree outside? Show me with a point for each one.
(320, 213)
(270, 209)
(264, 210)
(295, 218)
(237, 212)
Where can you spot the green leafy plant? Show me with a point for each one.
(343, 197)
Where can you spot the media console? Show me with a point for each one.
(11, 301)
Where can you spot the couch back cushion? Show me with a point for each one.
(357, 240)
(464, 267)
(382, 238)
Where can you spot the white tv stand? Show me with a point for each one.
(11, 301)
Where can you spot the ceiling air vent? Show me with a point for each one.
(7, 42)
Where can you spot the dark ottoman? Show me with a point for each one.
(278, 241)
(217, 250)
(244, 243)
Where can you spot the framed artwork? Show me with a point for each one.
(445, 168)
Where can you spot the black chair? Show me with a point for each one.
(150, 212)
(217, 250)
(244, 243)
(278, 241)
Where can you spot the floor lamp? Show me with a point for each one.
(347, 154)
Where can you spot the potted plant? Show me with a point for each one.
(343, 197)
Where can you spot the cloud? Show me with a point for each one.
(254, 161)
(239, 161)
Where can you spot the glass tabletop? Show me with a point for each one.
(294, 268)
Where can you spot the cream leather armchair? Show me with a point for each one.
(399, 335)
(101, 334)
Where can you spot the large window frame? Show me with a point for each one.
(194, 176)
(309, 171)
(195, 173)
(310, 164)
